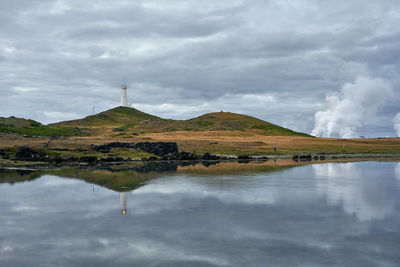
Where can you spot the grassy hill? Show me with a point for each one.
(34, 128)
(227, 121)
(116, 116)
(127, 120)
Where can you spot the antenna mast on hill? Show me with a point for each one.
(124, 96)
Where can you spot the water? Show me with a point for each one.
(332, 214)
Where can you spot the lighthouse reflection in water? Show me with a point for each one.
(124, 198)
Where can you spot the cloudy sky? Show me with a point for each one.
(281, 61)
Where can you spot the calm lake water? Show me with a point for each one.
(332, 214)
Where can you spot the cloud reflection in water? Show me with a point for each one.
(328, 214)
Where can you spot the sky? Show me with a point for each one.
(327, 67)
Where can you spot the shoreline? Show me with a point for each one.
(105, 154)
(305, 159)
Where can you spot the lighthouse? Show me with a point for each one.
(124, 96)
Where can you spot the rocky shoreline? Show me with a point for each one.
(162, 152)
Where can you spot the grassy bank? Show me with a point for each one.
(214, 142)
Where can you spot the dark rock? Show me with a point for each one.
(101, 148)
(305, 158)
(165, 157)
(23, 172)
(208, 156)
(315, 157)
(2, 153)
(108, 159)
(157, 167)
(27, 154)
(58, 149)
(244, 157)
(118, 130)
(58, 160)
(71, 159)
(188, 163)
(209, 163)
(187, 156)
(157, 148)
(88, 159)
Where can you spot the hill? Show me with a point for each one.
(34, 128)
(127, 120)
(227, 121)
(115, 116)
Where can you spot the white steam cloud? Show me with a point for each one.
(396, 124)
(346, 113)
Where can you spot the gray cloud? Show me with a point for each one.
(65, 57)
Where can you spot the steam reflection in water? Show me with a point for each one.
(397, 171)
(361, 191)
(319, 215)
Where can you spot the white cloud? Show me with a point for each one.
(25, 89)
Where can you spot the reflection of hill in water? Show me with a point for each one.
(18, 176)
(127, 177)
(237, 168)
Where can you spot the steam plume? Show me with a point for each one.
(347, 112)
(396, 124)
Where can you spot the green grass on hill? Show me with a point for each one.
(116, 116)
(130, 121)
(227, 121)
(34, 128)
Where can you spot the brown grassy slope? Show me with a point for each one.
(34, 128)
(125, 121)
(238, 143)
(17, 122)
(119, 116)
(223, 142)
(227, 121)
(219, 133)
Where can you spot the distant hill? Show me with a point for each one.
(34, 128)
(227, 121)
(125, 119)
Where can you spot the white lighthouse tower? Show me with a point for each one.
(124, 96)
